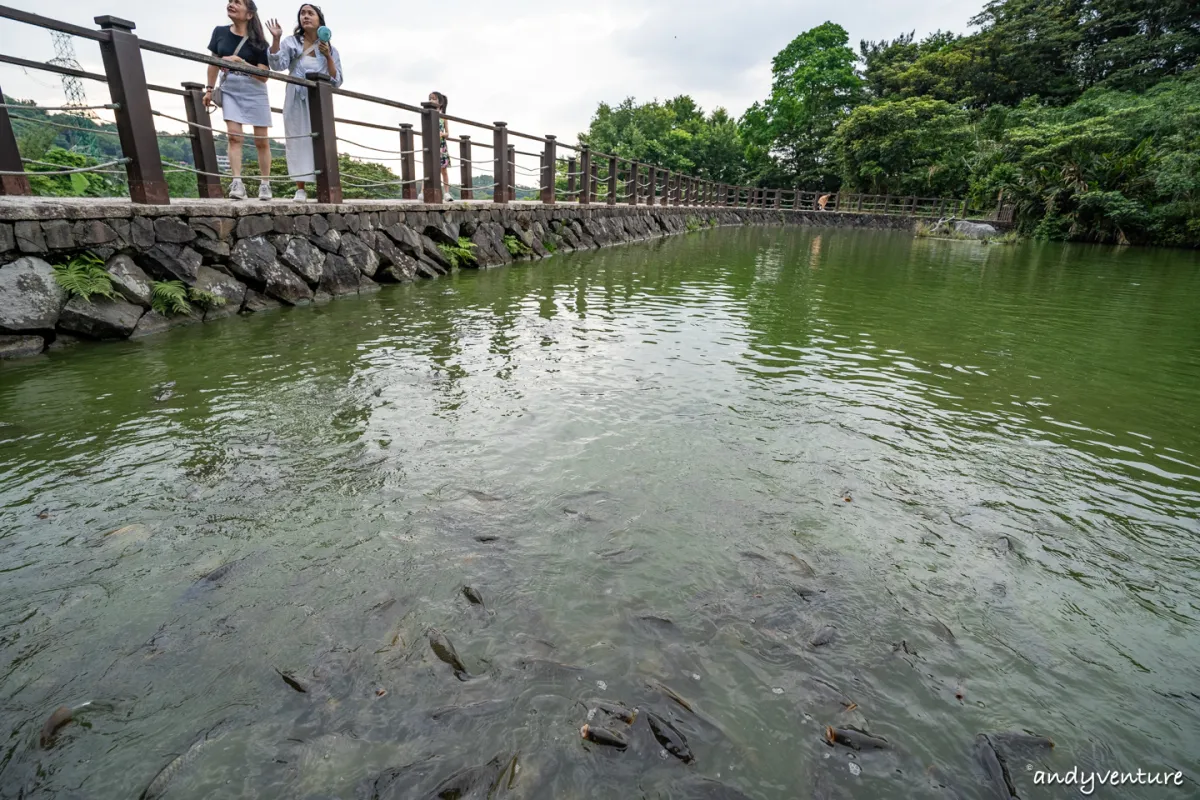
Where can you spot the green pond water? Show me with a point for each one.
(666, 468)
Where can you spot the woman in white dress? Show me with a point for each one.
(245, 96)
(298, 55)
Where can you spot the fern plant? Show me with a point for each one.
(84, 277)
(550, 246)
(516, 247)
(170, 298)
(459, 254)
(206, 300)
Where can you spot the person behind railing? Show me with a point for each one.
(244, 99)
(298, 55)
(443, 134)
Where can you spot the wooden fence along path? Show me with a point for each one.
(591, 177)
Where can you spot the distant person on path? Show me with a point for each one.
(444, 134)
(244, 98)
(298, 55)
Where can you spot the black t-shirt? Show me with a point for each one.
(225, 41)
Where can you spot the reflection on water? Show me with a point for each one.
(751, 483)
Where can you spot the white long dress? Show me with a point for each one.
(292, 59)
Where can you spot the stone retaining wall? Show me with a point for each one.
(256, 257)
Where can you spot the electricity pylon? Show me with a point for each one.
(64, 56)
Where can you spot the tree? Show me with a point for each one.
(814, 87)
(916, 146)
(675, 134)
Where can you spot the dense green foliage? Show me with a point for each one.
(1082, 115)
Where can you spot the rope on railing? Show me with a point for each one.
(312, 135)
(178, 167)
(381, 183)
(19, 106)
(376, 149)
(95, 168)
(17, 117)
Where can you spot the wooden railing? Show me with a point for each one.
(591, 177)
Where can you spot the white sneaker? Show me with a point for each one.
(264, 191)
(301, 196)
(237, 190)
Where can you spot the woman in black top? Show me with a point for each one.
(244, 97)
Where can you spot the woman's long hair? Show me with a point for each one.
(299, 32)
(441, 101)
(254, 28)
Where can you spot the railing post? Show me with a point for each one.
(550, 174)
(325, 154)
(585, 169)
(10, 160)
(512, 172)
(408, 163)
(572, 184)
(467, 179)
(612, 180)
(126, 75)
(204, 149)
(778, 198)
(500, 170)
(676, 182)
(595, 180)
(632, 187)
(431, 152)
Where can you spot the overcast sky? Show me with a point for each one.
(540, 65)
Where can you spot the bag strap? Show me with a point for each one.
(236, 50)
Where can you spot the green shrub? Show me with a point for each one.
(84, 276)
(550, 246)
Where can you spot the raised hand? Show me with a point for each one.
(275, 29)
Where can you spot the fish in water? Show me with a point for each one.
(604, 736)
(806, 570)
(994, 767)
(1021, 740)
(443, 648)
(158, 787)
(479, 782)
(482, 497)
(943, 632)
(61, 716)
(855, 739)
(484, 538)
(217, 576)
(670, 738)
(291, 681)
(616, 711)
(671, 693)
(803, 591)
(472, 595)
(824, 636)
